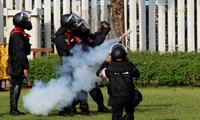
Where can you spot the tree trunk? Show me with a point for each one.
(117, 16)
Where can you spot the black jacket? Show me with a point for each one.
(120, 76)
(19, 48)
(62, 48)
(65, 42)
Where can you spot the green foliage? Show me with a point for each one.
(168, 69)
(44, 68)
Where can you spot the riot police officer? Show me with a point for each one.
(120, 72)
(90, 39)
(18, 65)
(79, 28)
(65, 40)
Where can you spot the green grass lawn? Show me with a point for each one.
(162, 103)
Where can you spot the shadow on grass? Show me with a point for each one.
(155, 107)
(55, 113)
(2, 114)
(168, 119)
(152, 107)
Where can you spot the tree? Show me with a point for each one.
(117, 15)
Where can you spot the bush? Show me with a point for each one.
(169, 69)
(44, 68)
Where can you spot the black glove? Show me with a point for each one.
(105, 27)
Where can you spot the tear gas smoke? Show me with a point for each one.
(78, 73)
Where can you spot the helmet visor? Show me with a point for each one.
(118, 45)
(73, 18)
(83, 26)
(79, 22)
(25, 14)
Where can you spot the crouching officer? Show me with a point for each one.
(120, 72)
(90, 39)
(65, 40)
(18, 65)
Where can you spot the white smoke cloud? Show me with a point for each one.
(78, 73)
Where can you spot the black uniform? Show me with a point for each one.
(81, 29)
(120, 87)
(18, 50)
(93, 40)
(64, 43)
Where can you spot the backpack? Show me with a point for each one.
(137, 97)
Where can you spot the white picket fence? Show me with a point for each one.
(170, 27)
(160, 25)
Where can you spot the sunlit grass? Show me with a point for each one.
(162, 103)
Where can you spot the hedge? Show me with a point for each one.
(167, 69)
(44, 68)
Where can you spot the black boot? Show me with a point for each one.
(14, 96)
(67, 111)
(16, 112)
(74, 108)
(128, 117)
(102, 108)
(86, 112)
(85, 109)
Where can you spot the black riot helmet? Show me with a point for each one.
(21, 20)
(73, 22)
(66, 21)
(118, 51)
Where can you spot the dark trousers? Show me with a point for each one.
(15, 90)
(82, 100)
(119, 104)
(97, 95)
